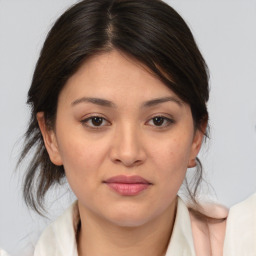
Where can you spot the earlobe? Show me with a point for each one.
(196, 145)
(50, 141)
(192, 163)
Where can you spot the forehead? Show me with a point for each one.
(116, 76)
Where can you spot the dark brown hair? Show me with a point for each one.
(148, 30)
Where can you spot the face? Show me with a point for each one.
(124, 138)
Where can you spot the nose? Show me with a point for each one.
(127, 147)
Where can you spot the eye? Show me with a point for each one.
(95, 122)
(160, 121)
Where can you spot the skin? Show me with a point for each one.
(127, 142)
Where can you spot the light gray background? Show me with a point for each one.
(226, 34)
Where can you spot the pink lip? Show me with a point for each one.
(127, 185)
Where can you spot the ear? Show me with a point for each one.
(50, 140)
(196, 145)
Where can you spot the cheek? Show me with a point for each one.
(172, 152)
(171, 157)
(81, 157)
(82, 163)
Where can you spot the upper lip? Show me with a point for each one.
(127, 180)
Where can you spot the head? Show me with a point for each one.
(122, 38)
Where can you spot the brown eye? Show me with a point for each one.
(158, 120)
(96, 120)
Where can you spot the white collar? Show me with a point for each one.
(181, 242)
(60, 237)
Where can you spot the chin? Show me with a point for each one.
(129, 218)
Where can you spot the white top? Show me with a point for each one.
(240, 237)
(3, 253)
(59, 238)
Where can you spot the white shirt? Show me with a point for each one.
(3, 253)
(240, 237)
(59, 238)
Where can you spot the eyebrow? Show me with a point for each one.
(97, 101)
(157, 101)
(107, 103)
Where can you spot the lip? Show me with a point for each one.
(127, 185)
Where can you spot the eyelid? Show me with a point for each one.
(88, 118)
(169, 120)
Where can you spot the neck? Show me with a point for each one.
(100, 237)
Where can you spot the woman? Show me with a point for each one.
(118, 108)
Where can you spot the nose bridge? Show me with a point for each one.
(127, 145)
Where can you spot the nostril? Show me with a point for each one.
(117, 160)
(128, 162)
(127, 150)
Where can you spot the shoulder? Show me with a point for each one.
(248, 204)
(241, 229)
(59, 238)
(208, 221)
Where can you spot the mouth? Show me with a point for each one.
(127, 185)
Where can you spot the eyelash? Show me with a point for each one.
(85, 122)
(168, 121)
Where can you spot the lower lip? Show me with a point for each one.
(128, 189)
